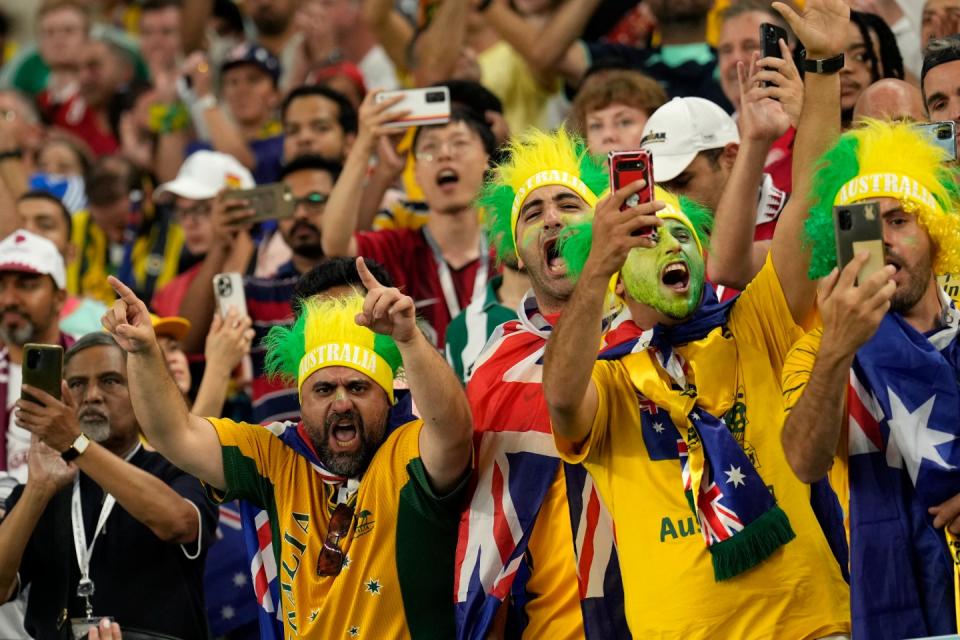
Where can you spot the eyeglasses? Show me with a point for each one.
(313, 202)
(430, 151)
(330, 561)
(199, 210)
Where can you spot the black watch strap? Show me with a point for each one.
(825, 65)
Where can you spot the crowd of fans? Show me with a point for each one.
(449, 382)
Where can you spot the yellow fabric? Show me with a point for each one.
(545, 178)
(554, 610)
(888, 185)
(524, 98)
(366, 593)
(93, 281)
(670, 591)
(951, 284)
(399, 216)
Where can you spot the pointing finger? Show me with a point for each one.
(126, 293)
(367, 278)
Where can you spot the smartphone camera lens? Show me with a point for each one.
(435, 96)
(943, 133)
(224, 288)
(845, 220)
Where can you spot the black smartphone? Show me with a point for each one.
(858, 227)
(43, 369)
(770, 36)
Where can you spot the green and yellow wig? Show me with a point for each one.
(537, 159)
(574, 243)
(886, 160)
(327, 335)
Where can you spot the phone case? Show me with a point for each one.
(858, 227)
(269, 202)
(630, 166)
(943, 134)
(430, 105)
(43, 368)
(228, 289)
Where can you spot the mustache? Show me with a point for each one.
(87, 414)
(337, 418)
(12, 309)
(303, 224)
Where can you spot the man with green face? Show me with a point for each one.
(680, 427)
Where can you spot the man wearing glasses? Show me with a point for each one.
(364, 517)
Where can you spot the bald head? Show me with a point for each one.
(890, 99)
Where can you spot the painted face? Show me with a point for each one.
(907, 247)
(345, 414)
(546, 212)
(668, 276)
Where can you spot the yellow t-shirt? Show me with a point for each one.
(554, 608)
(669, 585)
(87, 274)
(951, 284)
(524, 98)
(398, 578)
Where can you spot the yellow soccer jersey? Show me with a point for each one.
(397, 580)
(87, 273)
(669, 585)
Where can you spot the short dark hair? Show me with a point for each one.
(92, 339)
(36, 194)
(473, 120)
(110, 179)
(311, 162)
(889, 63)
(159, 5)
(336, 272)
(346, 114)
(939, 51)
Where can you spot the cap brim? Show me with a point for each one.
(172, 326)
(20, 267)
(186, 187)
(666, 168)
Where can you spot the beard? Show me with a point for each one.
(918, 279)
(269, 22)
(305, 249)
(17, 335)
(349, 464)
(94, 424)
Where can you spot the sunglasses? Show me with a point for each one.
(330, 561)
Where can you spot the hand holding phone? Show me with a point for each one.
(859, 227)
(268, 202)
(228, 289)
(429, 105)
(627, 167)
(770, 36)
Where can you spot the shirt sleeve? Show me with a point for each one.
(798, 366)
(249, 452)
(605, 379)
(761, 316)
(191, 490)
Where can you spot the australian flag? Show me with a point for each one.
(904, 455)
(229, 593)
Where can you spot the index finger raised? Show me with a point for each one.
(369, 281)
(126, 293)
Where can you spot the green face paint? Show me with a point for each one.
(674, 292)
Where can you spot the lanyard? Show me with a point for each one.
(446, 278)
(85, 552)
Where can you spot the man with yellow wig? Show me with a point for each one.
(874, 392)
(363, 520)
(716, 536)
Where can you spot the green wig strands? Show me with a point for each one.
(574, 243)
(838, 166)
(322, 319)
(528, 154)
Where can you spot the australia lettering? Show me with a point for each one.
(293, 550)
(334, 352)
(681, 528)
(890, 184)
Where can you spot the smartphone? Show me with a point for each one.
(630, 166)
(943, 134)
(770, 36)
(269, 202)
(858, 227)
(43, 369)
(228, 289)
(429, 105)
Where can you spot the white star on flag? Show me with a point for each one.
(735, 476)
(227, 612)
(658, 427)
(912, 438)
(239, 579)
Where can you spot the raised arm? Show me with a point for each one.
(734, 256)
(572, 348)
(187, 441)
(343, 208)
(392, 30)
(195, 16)
(446, 438)
(227, 343)
(822, 30)
(47, 474)
(224, 134)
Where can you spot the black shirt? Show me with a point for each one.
(143, 582)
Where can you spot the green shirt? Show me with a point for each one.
(468, 332)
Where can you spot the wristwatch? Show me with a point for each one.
(78, 447)
(824, 65)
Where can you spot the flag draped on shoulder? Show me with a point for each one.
(517, 462)
(903, 404)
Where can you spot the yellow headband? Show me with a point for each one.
(353, 356)
(909, 191)
(673, 212)
(546, 178)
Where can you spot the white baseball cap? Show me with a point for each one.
(682, 128)
(29, 253)
(204, 173)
